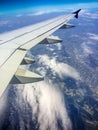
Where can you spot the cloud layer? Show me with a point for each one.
(48, 103)
(59, 68)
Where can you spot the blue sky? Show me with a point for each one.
(24, 3)
(12, 5)
(45, 1)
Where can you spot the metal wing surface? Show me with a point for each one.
(15, 44)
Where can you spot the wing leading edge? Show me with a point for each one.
(15, 44)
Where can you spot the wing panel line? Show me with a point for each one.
(33, 30)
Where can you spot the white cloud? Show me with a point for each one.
(50, 47)
(87, 14)
(4, 22)
(62, 69)
(59, 46)
(93, 36)
(18, 15)
(39, 13)
(86, 49)
(40, 102)
(42, 71)
(44, 10)
(92, 15)
(48, 103)
(48, 9)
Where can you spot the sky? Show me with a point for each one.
(27, 3)
(45, 1)
(13, 5)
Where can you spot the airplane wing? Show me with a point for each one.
(15, 44)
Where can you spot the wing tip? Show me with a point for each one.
(76, 13)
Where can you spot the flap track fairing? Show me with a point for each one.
(23, 76)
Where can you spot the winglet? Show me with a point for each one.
(76, 13)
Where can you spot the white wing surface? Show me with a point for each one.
(15, 44)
